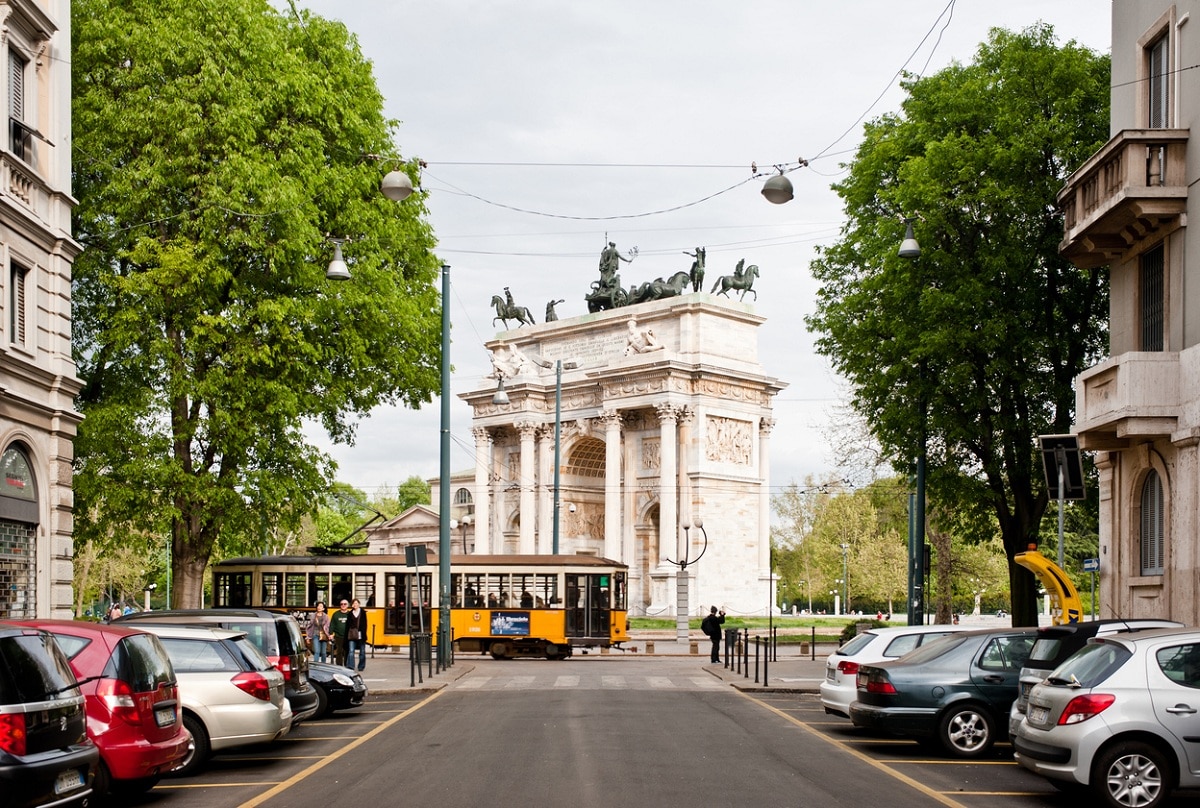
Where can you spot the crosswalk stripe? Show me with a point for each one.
(567, 681)
(660, 681)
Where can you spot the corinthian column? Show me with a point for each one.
(528, 511)
(483, 499)
(612, 484)
(668, 512)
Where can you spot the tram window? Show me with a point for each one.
(618, 591)
(545, 591)
(466, 590)
(232, 589)
(318, 588)
(271, 584)
(341, 588)
(293, 590)
(364, 589)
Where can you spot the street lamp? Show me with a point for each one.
(845, 578)
(463, 523)
(909, 248)
(681, 580)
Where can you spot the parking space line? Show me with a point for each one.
(849, 749)
(300, 776)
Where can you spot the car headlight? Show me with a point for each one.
(343, 680)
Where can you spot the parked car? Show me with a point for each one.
(232, 695)
(131, 698)
(337, 688)
(956, 692)
(46, 757)
(874, 645)
(276, 634)
(1054, 644)
(1120, 718)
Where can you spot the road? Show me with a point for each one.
(597, 732)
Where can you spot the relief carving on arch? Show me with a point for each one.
(651, 454)
(728, 440)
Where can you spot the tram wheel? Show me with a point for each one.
(499, 650)
(551, 651)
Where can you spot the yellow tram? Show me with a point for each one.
(505, 605)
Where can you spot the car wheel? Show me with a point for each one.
(966, 731)
(322, 700)
(102, 783)
(1132, 775)
(198, 749)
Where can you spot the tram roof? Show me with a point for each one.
(398, 559)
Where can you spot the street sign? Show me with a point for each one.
(1091, 565)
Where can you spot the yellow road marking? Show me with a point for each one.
(924, 789)
(313, 769)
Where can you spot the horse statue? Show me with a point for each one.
(506, 312)
(658, 288)
(743, 281)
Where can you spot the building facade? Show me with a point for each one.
(1138, 411)
(660, 424)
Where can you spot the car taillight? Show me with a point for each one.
(283, 665)
(847, 667)
(875, 682)
(255, 684)
(117, 697)
(12, 733)
(1081, 708)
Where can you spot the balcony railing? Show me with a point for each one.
(1129, 190)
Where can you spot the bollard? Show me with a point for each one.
(649, 646)
(693, 648)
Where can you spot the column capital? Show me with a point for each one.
(482, 434)
(667, 412)
(527, 429)
(610, 418)
(766, 425)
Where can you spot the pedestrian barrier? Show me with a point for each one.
(420, 653)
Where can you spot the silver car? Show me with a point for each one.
(1120, 717)
(232, 695)
(840, 687)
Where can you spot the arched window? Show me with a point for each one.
(1152, 525)
(18, 535)
(462, 496)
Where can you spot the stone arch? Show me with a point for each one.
(19, 518)
(585, 458)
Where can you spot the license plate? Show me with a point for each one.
(1037, 715)
(830, 675)
(69, 780)
(164, 716)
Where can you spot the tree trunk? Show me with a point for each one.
(191, 550)
(1022, 583)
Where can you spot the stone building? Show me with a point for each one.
(1138, 411)
(664, 446)
(38, 384)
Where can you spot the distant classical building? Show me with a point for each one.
(665, 424)
(1127, 208)
(38, 384)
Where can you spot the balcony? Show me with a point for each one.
(1127, 399)
(1128, 191)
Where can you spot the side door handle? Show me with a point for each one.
(1181, 709)
(994, 679)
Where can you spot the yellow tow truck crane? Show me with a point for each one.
(1065, 605)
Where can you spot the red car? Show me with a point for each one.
(131, 698)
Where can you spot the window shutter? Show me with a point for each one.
(1158, 55)
(1152, 525)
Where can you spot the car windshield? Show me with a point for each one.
(1045, 649)
(32, 668)
(1091, 665)
(932, 650)
(856, 644)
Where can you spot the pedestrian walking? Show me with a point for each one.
(339, 624)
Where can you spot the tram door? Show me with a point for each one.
(588, 604)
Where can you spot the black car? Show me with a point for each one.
(276, 634)
(45, 755)
(337, 688)
(1055, 643)
(955, 691)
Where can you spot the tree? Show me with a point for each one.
(213, 153)
(977, 342)
(413, 491)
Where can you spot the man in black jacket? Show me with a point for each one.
(711, 626)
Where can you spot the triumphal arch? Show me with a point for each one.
(663, 423)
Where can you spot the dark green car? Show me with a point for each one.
(955, 692)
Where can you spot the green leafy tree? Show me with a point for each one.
(215, 147)
(977, 342)
(413, 491)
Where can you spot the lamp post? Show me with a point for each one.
(845, 577)
(909, 248)
(463, 523)
(681, 580)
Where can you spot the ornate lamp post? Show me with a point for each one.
(681, 580)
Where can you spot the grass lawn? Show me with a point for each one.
(789, 629)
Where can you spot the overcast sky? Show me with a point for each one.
(592, 117)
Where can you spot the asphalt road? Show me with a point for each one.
(660, 732)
